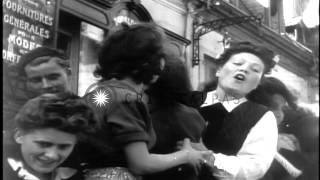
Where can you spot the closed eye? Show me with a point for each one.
(237, 63)
(256, 69)
(64, 146)
(34, 79)
(44, 144)
(53, 76)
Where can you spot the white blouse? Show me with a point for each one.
(257, 152)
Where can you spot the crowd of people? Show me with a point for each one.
(143, 120)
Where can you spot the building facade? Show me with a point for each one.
(295, 61)
(79, 26)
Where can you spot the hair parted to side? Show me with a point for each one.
(132, 51)
(265, 54)
(65, 111)
(268, 87)
(29, 57)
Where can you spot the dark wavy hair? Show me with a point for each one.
(173, 85)
(268, 87)
(65, 111)
(265, 54)
(133, 51)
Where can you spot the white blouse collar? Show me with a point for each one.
(60, 173)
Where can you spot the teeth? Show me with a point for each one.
(239, 77)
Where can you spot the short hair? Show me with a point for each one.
(265, 54)
(268, 87)
(174, 83)
(43, 51)
(133, 51)
(65, 111)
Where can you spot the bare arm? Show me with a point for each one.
(140, 161)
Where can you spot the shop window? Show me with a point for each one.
(64, 40)
(90, 41)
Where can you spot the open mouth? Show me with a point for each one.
(240, 77)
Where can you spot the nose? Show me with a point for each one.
(52, 154)
(244, 68)
(45, 83)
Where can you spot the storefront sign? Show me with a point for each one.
(27, 24)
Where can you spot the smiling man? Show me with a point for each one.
(43, 70)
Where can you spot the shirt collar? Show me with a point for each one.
(59, 173)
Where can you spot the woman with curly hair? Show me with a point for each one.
(241, 133)
(298, 132)
(130, 60)
(47, 130)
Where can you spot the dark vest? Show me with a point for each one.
(227, 131)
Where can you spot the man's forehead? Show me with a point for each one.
(44, 59)
(44, 66)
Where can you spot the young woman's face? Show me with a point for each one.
(278, 106)
(45, 149)
(240, 74)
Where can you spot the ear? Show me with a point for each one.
(18, 136)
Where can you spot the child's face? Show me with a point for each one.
(45, 149)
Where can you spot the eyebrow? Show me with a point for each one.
(44, 141)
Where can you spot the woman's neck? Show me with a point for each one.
(42, 176)
(222, 95)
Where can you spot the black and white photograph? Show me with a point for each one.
(160, 90)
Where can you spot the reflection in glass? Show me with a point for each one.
(91, 37)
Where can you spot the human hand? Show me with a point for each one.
(195, 158)
(289, 142)
(199, 146)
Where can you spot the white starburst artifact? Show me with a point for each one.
(101, 98)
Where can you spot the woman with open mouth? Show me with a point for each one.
(242, 134)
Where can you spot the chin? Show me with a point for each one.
(45, 170)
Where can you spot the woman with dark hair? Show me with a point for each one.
(275, 95)
(242, 134)
(47, 130)
(297, 131)
(173, 116)
(131, 59)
